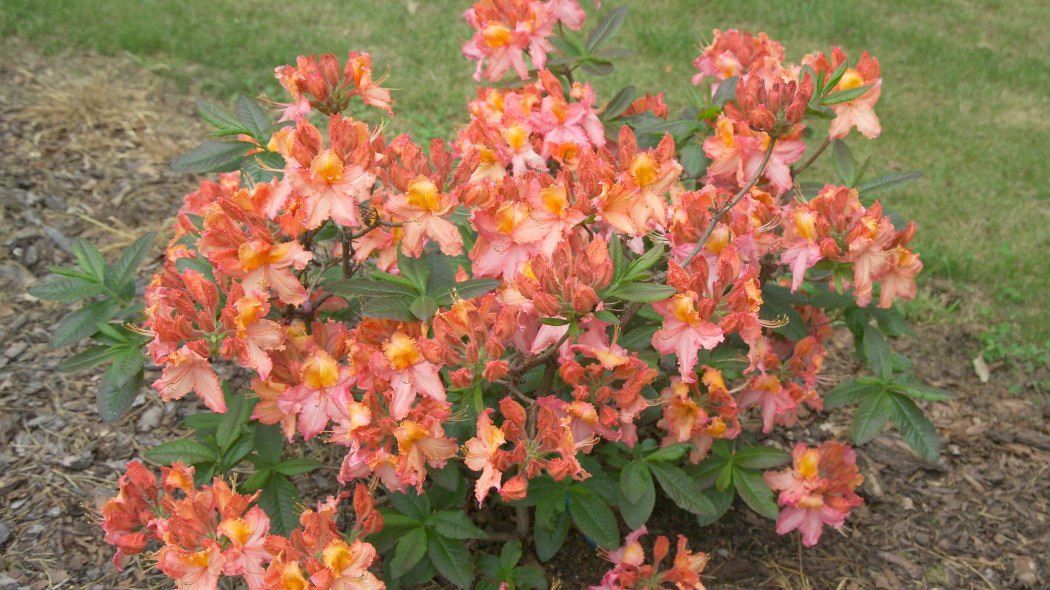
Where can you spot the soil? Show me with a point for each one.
(83, 145)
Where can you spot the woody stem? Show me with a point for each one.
(812, 158)
(718, 214)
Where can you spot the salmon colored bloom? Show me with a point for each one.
(481, 453)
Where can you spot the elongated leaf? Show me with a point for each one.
(593, 517)
(833, 79)
(388, 308)
(269, 442)
(849, 392)
(845, 163)
(451, 559)
(670, 452)
(617, 257)
(846, 95)
(471, 288)
(778, 304)
(549, 533)
(187, 451)
(888, 182)
(643, 292)
(204, 421)
(89, 259)
(760, 457)
(367, 288)
(921, 391)
(871, 416)
(606, 29)
(644, 262)
(255, 481)
(196, 265)
(212, 156)
(726, 91)
(529, 577)
(411, 547)
(66, 290)
(411, 504)
(416, 270)
(510, 554)
(634, 478)
(619, 103)
(396, 279)
(635, 514)
(219, 118)
(297, 466)
(721, 500)
(877, 352)
(80, 324)
(915, 428)
(597, 67)
(755, 492)
(112, 400)
(693, 160)
(86, 359)
(280, 500)
(891, 322)
(254, 118)
(240, 448)
(680, 488)
(455, 524)
(423, 308)
(230, 427)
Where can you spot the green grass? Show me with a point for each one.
(964, 93)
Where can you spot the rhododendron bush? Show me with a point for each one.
(573, 305)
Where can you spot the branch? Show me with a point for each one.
(811, 159)
(736, 199)
(542, 357)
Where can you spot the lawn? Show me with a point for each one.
(964, 94)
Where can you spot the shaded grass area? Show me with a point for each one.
(965, 92)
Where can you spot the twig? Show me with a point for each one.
(542, 357)
(717, 216)
(811, 159)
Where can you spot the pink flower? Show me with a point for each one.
(187, 371)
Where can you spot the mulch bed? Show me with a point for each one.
(83, 145)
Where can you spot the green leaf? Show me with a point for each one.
(129, 261)
(529, 577)
(607, 316)
(219, 118)
(206, 420)
(269, 442)
(706, 473)
(670, 453)
(725, 477)
(877, 352)
(643, 292)
(845, 163)
(411, 504)
(489, 566)
(597, 67)
(187, 451)
(554, 321)
(619, 103)
(915, 428)
(66, 290)
(86, 359)
(606, 29)
(455, 524)
(634, 478)
(593, 517)
(396, 279)
(726, 91)
(89, 259)
(212, 156)
(114, 400)
(239, 449)
(891, 322)
(921, 391)
(832, 80)
(297, 466)
(230, 427)
(366, 288)
(80, 324)
(510, 554)
(550, 536)
(778, 304)
(411, 547)
(203, 267)
(693, 160)
(721, 500)
(416, 270)
(470, 288)
(256, 480)
(617, 257)
(564, 46)
(870, 417)
(637, 268)
(441, 277)
(635, 514)
(254, 118)
(683, 490)
(451, 559)
(758, 457)
(754, 491)
(388, 308)
(280, 500)
(423, 308)
(888, 182)
(849, 392)
(846, 95)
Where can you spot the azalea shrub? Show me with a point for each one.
(572, 306)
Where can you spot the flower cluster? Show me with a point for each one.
(818, 490)
(210, 531)
(631, 572)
